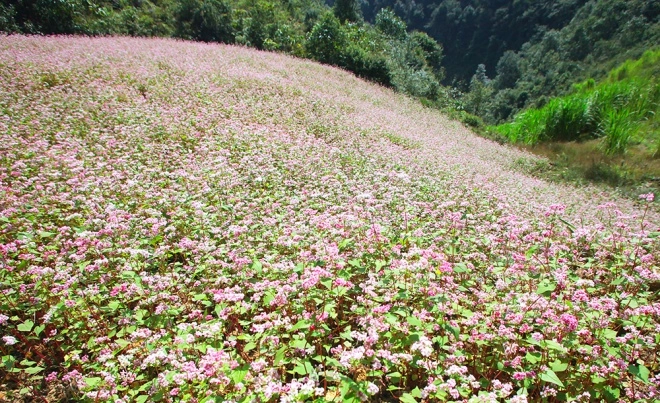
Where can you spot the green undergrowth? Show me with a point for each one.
(621, 111)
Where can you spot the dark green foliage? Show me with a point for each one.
(42, 16)
(508, 70)
(478, 31)
(480, 92)
(330, 42)
(205, 20)
(347, 10)
(431, 52)
(370, 66)
(533, 49)
(8, 18)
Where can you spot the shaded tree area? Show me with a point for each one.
(477, 32)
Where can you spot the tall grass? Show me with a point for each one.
(619, 109)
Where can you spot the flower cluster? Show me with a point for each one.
(194, 222)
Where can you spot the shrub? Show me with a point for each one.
(327, 40)
(369, 66)
(389, 24)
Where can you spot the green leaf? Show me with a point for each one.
(355, 263)
(460, 268)
(395, 377)
(8, 361)
(531, 251)
(257, 266)
(640, 371)
(46, 234)
(122, 343)
(250, 346)
(611, 393)
(238, 375)
(550, 376)
(407, 398)
(39, 329)
(546, 288)
(609, 334)
(34, 370)
(533, 357)
(558, 366)
(553, 345)
(414, 321)
(25, 326)
(454, 330)
(92, 382)
(302, 324)
(279, 355)
(416, 393)
(303, 368)
(619, 280)
(141, 399)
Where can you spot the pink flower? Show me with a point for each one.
(570, 321)
(649, 197)
(580, 296)
(519, 376)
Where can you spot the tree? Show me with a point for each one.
(431, 51)
(508, 70)
(388, 23)
(480, 92)
(327, 40)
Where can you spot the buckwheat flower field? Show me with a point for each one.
(184, 222)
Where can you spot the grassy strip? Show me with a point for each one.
(620, 110)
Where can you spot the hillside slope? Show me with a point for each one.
(182, 220)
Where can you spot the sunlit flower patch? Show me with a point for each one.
(200, 223)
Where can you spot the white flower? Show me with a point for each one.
(372, 389)
(9, 340)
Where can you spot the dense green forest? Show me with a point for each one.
(529, 50)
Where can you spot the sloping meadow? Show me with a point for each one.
(201, 223)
